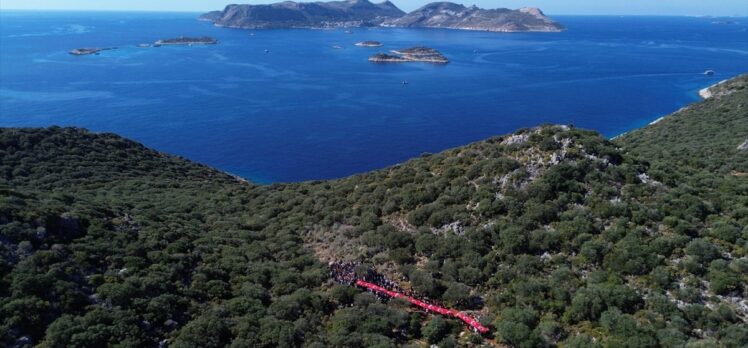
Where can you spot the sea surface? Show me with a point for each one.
(305, 110)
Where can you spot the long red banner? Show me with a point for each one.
(472, 322)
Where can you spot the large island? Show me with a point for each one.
(289, 14)
(449, 15)
(363, 13)
(414, 54)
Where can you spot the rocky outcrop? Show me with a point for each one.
(724, 88)
(454, 16)
(289, 14)
(369, 44)
(743, 146)
(706, 93)
(359, 13)
(88, 51)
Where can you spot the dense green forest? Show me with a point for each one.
(552, 236)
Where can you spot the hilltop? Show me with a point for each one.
(550, 236)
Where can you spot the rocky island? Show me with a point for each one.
(449, 15)
(363, 13)
(414, 54)
(188, 41)
(289, 14)
(88, 51)
(369, 44)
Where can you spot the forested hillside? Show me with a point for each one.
(552, 236)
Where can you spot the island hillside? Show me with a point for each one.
(362, 13)
(289, 14)
(454, 16)
(550, 236)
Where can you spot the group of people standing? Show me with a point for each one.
(344, 272)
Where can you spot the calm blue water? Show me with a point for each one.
(308, 111)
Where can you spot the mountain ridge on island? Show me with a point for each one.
(363, 13)
(450, 15)
(290, 14)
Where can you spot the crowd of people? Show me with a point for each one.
(344, 272)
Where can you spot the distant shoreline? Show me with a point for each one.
(703, 93)
(199, 12)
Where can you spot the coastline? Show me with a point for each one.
(708, 92)
(704, 93)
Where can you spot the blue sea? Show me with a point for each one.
(305, 110)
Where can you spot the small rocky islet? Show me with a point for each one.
(413, 54)
(180, 41)
(369, 44)
(89, 51)
(186, 41)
